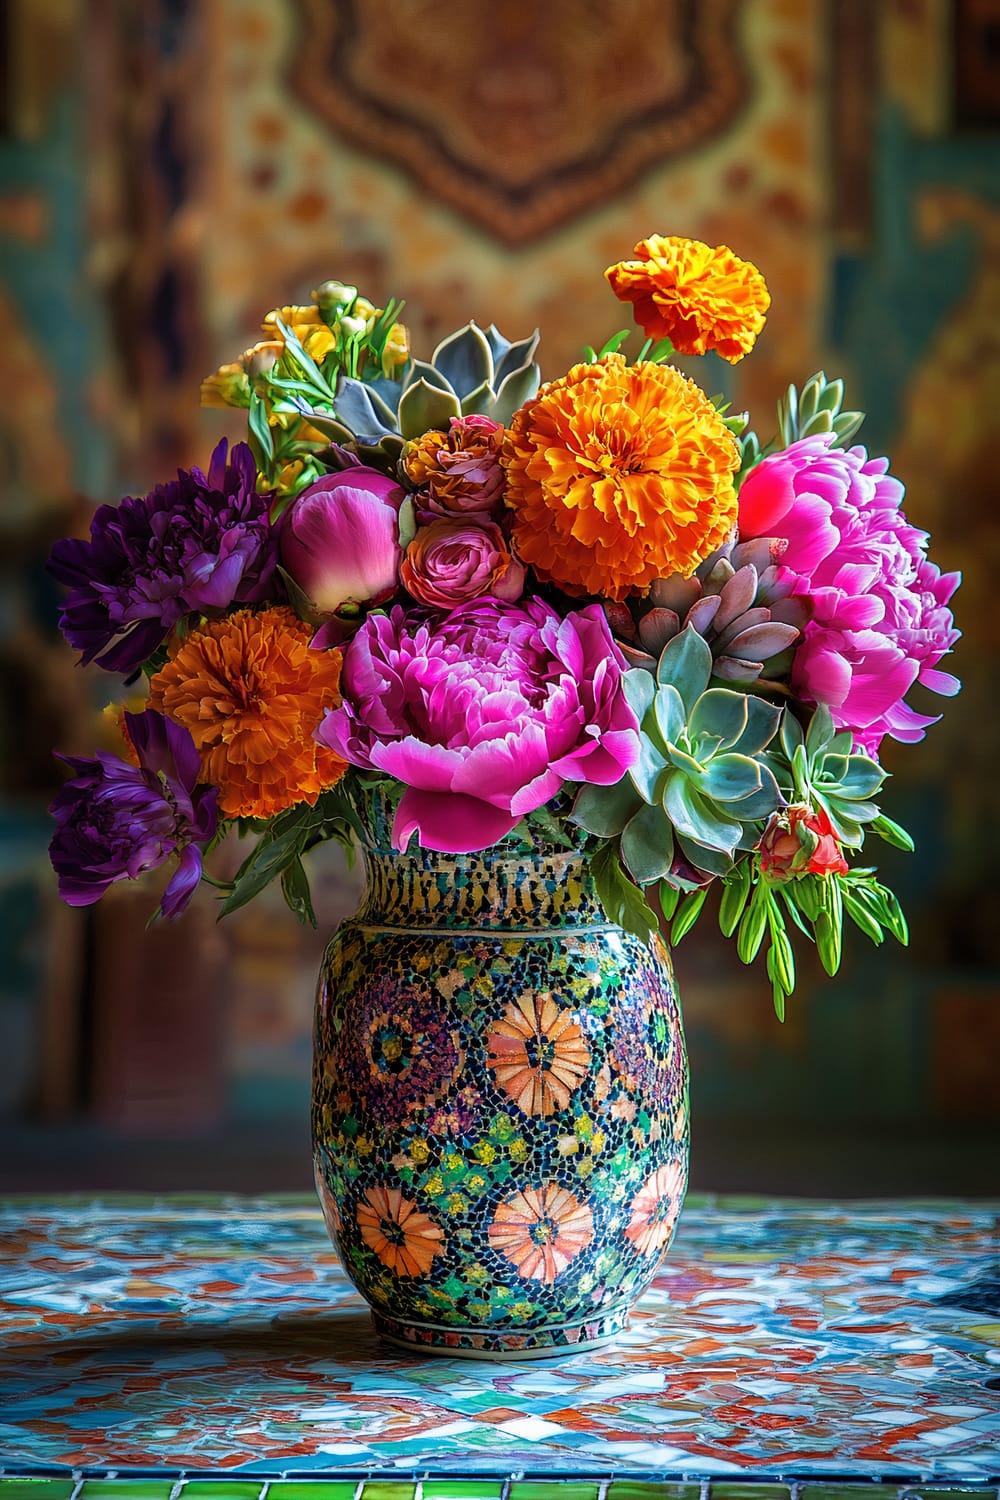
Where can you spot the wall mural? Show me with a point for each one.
(556, 109)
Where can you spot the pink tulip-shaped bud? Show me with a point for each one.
(340, 540)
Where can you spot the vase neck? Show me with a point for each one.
(494, 889)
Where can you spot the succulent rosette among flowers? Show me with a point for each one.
(600, 602)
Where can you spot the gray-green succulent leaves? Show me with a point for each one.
(702, 782)
(472, 371)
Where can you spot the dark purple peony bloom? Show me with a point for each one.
(116, 820)
(200, 542)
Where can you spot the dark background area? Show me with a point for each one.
(170, 171)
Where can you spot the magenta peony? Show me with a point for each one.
(482, 714)
(340, 542)
(453, 562)
(880, 617)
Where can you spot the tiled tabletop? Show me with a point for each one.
(176, 1343)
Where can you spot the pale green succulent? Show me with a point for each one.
(817, 408)
(701, 783)
(820, 769)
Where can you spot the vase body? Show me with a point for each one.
(500, 1121)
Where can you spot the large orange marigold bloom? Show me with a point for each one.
(403, 1238)
(619, 474)
(698, 297)
(252, 694)
(538, 1054)
(541, 1230)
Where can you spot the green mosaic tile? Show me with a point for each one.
(231, 1489)
(641, 1489)
(651, 1489)
(545, 1489)
(127, 1489)
(463, 1489)
(311, 1489)
(36, 1489)
(749, 1491)
(388, 1489)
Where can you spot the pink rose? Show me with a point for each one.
(452, 562)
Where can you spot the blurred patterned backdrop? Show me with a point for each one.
(173, 169)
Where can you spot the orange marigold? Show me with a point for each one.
(698, 297)
(252, 694)
(619, 474)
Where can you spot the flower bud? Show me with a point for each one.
(799, 841)
(340, 540)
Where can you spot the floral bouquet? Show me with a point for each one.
(601, 603)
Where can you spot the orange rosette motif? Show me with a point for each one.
(655, 1208)
(541, 1230)
(619, 474)
(403, 1238)
(697, 296)
(537, 1054)
(252, 694)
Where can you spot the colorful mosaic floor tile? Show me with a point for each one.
(789, 1341)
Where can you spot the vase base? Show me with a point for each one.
(552, 1341)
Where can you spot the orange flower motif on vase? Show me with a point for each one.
(538, 1054)
(541, 1230)
(403, 1238)
(655, 1208)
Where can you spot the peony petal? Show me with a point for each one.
(449, 823)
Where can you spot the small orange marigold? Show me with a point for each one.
(698, 297)
(252, 694)
(619, 474)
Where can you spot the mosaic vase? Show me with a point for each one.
(500, 1122)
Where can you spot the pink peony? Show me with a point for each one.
(453, 562)
(482, 714)
(880, 617)
(340, 540)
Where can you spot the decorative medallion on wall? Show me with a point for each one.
(519, 114)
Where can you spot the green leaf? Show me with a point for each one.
(259, 426)
(861, 916)
(614, 343)
(604, 810)
(710, 861)
(750, 933)
(686, 663)
(687, 914)
(790, 732)
(781, 959)
(693, 815)
(788, 892)
(729, 778)
(423, 407)
(517, 388)
(668, 710)
(465, 359)
(763, 720)
(735, 891)
(892, 833)
(647, 845)
(861, 779)
(648, 773)
(295, 889)
(829, 926)
(721, 714)
(820, 731)
(778, 991)
(640, 690)
(669, 899)
(623, 901)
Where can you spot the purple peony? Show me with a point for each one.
(117, 820)
(880, 617)
(482, 714)
(198, 543)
